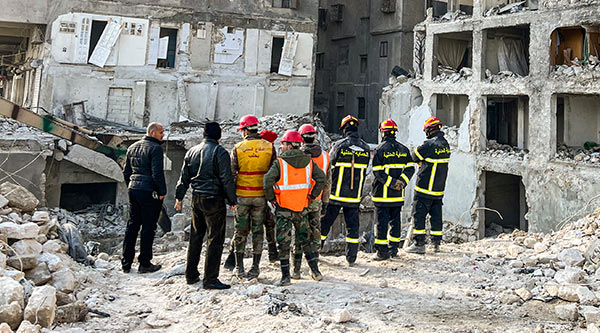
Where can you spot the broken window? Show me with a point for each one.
(362, 108)
(97, 30)
(167, 48)
(450, 109)
(453, 53)
(292, 4)
(276, 51)
(74, 197)
(506, 194)
(507, 51)
(388, 6)
(364, 62)
(337, 12)
(343, 54)
(507, 121)
(578, 121)
(574, 45)
(442, 7)
(383, 49)
(320, 60)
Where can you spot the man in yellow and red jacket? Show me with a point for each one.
(293, 181)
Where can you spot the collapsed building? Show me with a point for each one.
(516, 84)
(116, 66)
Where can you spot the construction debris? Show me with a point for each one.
(446, 73)
(496, 149)
(582, 155)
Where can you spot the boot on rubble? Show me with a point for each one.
(285, 273)
(313, 263)
(255, 270)
(230, 261)
(382, 253)
(416, 247)
(436, 245)
(297, 266)
(239, 264)
(273, 254)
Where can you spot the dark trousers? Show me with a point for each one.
(422, 207)
(387, 229)
(208, 218)
(352, 225)
(143, 213)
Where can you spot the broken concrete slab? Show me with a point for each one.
(96, 162)
(19, 197)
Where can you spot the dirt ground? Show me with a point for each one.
(442, 292)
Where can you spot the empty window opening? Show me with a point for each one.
(450, 109)
(383, 49)
(364, 63)
(441, 7)
(337, 13)
(320, 60)
(293, 4)
(343, 54)
(276, 51)
(74, 197)
(96, 33)
(507, 121)
(362, 108)
(453, 52)
(388, 6)
(506, 194)
(500, 7)
(578, 120)
(168, 48)
(507, 50)
(574, 45)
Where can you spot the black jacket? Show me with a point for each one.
(208, 168)
(345, 191)
(392, 164)
(144, 166)
(434, 156)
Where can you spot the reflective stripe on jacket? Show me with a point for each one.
(434, 155)
(392, 162)
(347, 154)
(293, 187)
(323, 163)
(253, 160)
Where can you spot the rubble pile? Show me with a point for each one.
(561, 267)
(452, 16)
(500, 76)
(450, 74)
(585, 72)
(501, 150)
(591, 155)
(451, 135)
(514, 7)
(38, 278)
(565, 3)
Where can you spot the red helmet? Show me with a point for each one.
(268, 135)
(307, 128)
(292, 136)
(351, 120)
(388, 125)
(432, 122)
(247, 121)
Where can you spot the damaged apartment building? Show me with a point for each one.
(125, 63)
(517, 85)
(360, 44)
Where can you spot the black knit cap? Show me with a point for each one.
(212, 130)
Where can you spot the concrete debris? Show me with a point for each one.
(19, 197)
(27, 327)
(513, 7)
(13, 230)
(452, 75)
(452, 16)
(579, 154)
(342, 316)
(71, 313)
(498, 150)
(571, 257)
(39, 275)
(567, 311)
(42, 306)
(11, 314)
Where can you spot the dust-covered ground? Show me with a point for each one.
(461, 289)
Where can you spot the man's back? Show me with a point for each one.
(144, 166)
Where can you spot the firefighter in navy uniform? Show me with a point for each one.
(392, 167)
(350, 159)
(433, 156)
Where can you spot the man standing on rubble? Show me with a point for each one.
(321, 158)
(145, 179)
(207, 168)
(293, 181)
(392, 168)
(350, 159)
(433, 157)
(250, 160)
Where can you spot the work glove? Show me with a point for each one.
(399, 185)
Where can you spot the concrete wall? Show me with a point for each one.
(582, 119)
(24, 168)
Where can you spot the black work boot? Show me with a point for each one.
(255, 270)
(393, 252)
(148, 268)
(436, 245)
(381, 253)
(313, 263)
(273, 254)
(418, 247)
(230, 261)
(322, 243)
(297, 265)
(285, 273)
(239, 263)
(351, 253)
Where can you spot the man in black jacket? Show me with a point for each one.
(145, 179)
(207, 168)
(350, 159)
(433, 157)
(392, 168)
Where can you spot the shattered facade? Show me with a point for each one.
(360, 43)
(517, 89)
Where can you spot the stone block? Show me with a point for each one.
(27, 327)
(53, 261)
(590, 313)
(11, 291)
(71, 313)
(64, 281)
(19, 197)
(569, 275)
(27, 247)
(568, 293)
(571, 257)
(19, 231)
(41, 306)
(40, 216)
(567, 312)
(39, 275)
(53, 246)
(12, 314)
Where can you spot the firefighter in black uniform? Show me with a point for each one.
(392, 167)
(433, 157)
(349, 159)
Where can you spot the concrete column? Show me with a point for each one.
(136, 115)
(430, 63)
(522, 120)
(259, 101)
(479, 50)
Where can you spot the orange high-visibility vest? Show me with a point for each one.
(323, 163)
(293, 187)
(254, 160)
